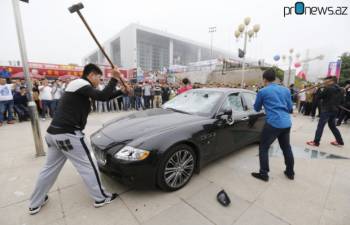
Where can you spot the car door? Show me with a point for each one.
(256, 119)
(234, 136)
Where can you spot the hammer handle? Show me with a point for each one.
(98, 44)
(312, 87)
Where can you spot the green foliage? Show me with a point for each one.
(345, 68)
(279, 72)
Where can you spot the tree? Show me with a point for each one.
(278, 71)
(345, 68)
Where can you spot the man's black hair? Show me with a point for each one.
(185, 81)
(269, 75)
(332, 78)
(91, 68)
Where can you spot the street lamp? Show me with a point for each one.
(291, 58)
(243, 29)
(31, 104)
(212, 30)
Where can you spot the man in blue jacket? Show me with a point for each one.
(278, 107)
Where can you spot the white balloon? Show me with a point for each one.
(256, 28)
(241, 28)
(247, 21)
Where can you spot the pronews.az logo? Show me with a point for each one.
(299, 8)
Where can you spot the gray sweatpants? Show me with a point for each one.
(73, 147)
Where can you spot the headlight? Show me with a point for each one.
(131, 154)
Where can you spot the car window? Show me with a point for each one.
(249, 99)
(233, 102)
(197, 101)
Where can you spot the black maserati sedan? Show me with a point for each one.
(163, 147)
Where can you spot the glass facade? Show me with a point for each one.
(152, 51)
(184, 53)
(115, 50)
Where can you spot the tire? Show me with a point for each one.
(176, 168)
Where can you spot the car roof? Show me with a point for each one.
(225, 90)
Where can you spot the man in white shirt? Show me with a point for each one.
(6, 101)
(57, 93)
(147, 94)
(46, 98)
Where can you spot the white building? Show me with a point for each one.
(138, 46)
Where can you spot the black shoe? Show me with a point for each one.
(261, 176)
(35, 210)
(289, 176)
(106, 201)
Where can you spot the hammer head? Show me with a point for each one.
(76, 7)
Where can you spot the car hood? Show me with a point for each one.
(143, 123)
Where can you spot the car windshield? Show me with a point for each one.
(200, 102)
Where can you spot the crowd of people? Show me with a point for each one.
(47, 93)
(309, 102)
(143, 95)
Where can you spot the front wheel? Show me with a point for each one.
(177, 168)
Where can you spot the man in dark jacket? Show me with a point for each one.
(21, 104)
(138, 96)
(165, 93)
(331, 99)
(65, 139)
(344, 111)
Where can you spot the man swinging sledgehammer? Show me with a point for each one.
(65, 139)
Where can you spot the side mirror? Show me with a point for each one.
(227, 115)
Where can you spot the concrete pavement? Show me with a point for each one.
(319, 194)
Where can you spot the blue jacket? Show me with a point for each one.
(277, 104)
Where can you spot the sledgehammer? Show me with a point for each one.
(76, 8)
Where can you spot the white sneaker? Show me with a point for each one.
(106, 201)
(35, 210)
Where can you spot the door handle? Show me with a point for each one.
(245, 118)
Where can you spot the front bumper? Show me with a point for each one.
(140, 174)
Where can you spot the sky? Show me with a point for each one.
(53, 35)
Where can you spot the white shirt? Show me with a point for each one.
(57, 92)
(302, 96)
(6, 92)
(147, 89)
(45, 93)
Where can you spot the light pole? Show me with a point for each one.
(244, 31)
(32, 106)
(212, 30)
(290, 61)
(291, 58)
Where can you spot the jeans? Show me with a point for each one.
(138, 103)
(328, 117)
(101, 106)
(126, 102)
(268, 136)
(147, 101)
(302, 107)
(6, 106)
(22, 112)
(47, 105)
(54, 105)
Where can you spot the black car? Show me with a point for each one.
(164, 146)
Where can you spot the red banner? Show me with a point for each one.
(56, 70)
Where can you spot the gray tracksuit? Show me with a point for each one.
(65, 140)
